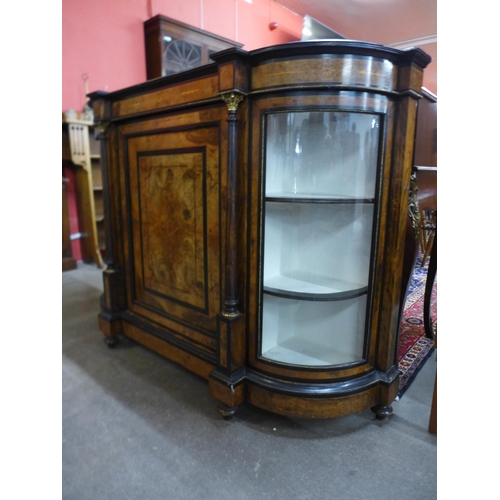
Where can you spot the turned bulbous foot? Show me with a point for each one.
(111, 341)
(381, 412)
(227, 412)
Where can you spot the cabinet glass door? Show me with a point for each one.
(320, 183)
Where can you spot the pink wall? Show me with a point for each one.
(104, 39)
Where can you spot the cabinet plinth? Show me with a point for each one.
(259, 243)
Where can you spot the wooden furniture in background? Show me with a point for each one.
(426, 172)
(429, 330)
(421, 229)
(82, 151)
(261, 196)
(427, 202)
(423, 190)
(68, 261)
(426, 134)
(433, 415)
(172, 46)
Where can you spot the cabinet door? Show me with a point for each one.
(319, 207)
(172, 221)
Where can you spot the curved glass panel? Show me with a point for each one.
(320, 181)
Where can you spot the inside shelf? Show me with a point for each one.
(317, 248)
(315, 198)
(310, 287)
(302, 332)
(299, 351)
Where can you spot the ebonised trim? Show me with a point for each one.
(339, 47)
(326, 201)
(315, 297)
(311, 48)
(162, 333)
(323, 390)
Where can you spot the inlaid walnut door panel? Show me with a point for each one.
(171, 220)
(172, 235)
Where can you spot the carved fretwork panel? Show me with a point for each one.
(173, 233)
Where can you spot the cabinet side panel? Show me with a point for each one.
(395, 224)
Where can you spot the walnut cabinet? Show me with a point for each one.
(257, 209)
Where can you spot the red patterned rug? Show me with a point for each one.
(414, 347)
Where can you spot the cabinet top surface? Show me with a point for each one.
(311, 49)
(341, 47)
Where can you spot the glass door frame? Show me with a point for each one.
(329, 103)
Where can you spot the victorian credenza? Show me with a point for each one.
(257, 209)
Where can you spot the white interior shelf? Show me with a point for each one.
(298, 351)
(332, 198)
(305, 284)
(313, 332)
(305, 242)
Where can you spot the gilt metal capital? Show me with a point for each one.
(232, 100)
(101, 129)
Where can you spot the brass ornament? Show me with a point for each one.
(232, 100)
(101, 128)
(230, 314)
(413, 208)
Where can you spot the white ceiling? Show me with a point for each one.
(398, 23)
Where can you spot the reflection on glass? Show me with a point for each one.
(180, 55)
(320, 171)
(330, 154)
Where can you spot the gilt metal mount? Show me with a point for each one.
(232, 100)
(413, 208)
